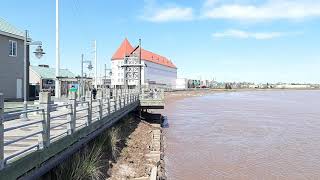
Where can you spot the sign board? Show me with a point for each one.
(73, 89)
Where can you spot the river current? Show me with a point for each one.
(244, 135)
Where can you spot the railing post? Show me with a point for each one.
(120, 105)
(115, 99)
(126, 98)
(1, 131)
(90, 110)
(45, 103)
(129, 97)
(100, 108)
(103, 100)
(73, 117)
(99, 94)
(108, 106)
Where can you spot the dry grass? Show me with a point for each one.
(83, 165)
(114, 135)
(91, 162)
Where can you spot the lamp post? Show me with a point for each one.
(90, 68)
(38, 53)
(57, 82)
(105, 75)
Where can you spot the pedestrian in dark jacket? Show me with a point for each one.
(94, 93)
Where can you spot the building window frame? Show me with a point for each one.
(13, 48)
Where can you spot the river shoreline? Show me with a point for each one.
(141, 158)
(172, 96)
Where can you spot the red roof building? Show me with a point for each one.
(126, 49)
(157, 70)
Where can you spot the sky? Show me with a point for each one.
(229, 40)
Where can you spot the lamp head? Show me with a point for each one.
(39, 52)
(90, 67)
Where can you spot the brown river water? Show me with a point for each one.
(244, 135)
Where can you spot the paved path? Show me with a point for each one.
(56, 133)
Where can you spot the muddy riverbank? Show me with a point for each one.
(130, 149)
(142, 156)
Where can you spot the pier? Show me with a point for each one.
(53, 131)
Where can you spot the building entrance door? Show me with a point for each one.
(19, 88)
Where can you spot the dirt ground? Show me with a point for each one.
(177, 95)
(132, 162)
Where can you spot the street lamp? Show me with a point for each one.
(38, 53)
(90, 68)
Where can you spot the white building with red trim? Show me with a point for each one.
(156, 70)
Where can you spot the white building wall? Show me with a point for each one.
(34, 78)
(182, 83)
(160, 74)
(117, 77)
(157, 73)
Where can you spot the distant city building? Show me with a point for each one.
(193, 83)
(104, 82)
(181, 83)
(11, 61)
(156, 70)
(292, 86)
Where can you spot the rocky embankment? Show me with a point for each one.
(142, 156)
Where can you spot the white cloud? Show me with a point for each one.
(234, 33)
(155, 12)
(269, 10)
(170, 14)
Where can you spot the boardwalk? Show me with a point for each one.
(59, 125)
(52, 129)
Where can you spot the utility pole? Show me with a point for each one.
(105, 75)
(96, 64)
(83, 89)
(57, 83)
(82, 83)
(25, 68)
(140, 66)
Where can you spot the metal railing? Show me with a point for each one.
(152, 94)
(11, 126)
(50, 122)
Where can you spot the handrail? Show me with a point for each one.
(19, 153)
(7, 116)
(6, 143)
(82, 116)
(59, 125)
(60, 115)
(93, 110)
(59, 106)
(83, 109)
(24, 125)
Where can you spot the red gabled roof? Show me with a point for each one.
(126, 49)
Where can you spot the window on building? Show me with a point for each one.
(12, 48)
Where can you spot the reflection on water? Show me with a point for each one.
(244, 135)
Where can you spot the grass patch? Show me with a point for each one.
(92, 162)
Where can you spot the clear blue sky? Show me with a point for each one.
(231, 40)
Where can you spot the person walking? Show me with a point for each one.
(94, 93)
